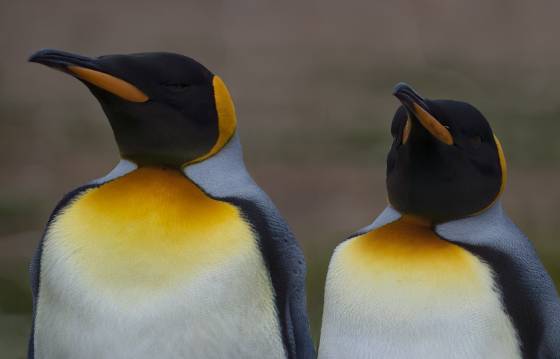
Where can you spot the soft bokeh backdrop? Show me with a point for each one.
(312, 83)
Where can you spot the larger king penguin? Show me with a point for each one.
(176, 253)
(442, 273)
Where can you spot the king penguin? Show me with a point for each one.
(442, 272)
(176, 253)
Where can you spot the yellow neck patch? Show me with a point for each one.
(227, 121)
(408, 253)
(148, 229)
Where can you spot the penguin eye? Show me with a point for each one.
(176, 86)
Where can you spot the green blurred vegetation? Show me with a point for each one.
(312, 84)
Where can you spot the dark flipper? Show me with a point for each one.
(528, 293)
(521, 283)
(286, 265)
(225, 178)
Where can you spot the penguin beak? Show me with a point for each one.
(418, 109)
(89, 71)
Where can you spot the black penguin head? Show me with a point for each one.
(165, 109)
(445, 162)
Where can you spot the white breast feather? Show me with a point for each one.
(227, 312)
(377, 320)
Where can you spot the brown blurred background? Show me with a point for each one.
(312, 83)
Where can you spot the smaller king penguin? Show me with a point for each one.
(442, 273)
(176, 253)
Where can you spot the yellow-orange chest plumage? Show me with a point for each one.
(401, 291)
(407, 255)
(152, 226)
(148, 265)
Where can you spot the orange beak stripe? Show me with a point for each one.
(406, 131)
(432, 125)
(109, 83)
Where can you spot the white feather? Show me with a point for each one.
(227, 312)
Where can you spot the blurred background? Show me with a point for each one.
(312, 85)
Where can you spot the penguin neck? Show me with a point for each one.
(416, 220)
(493, 215)
(122, 168)
(224, 173)
(493, 209)
(220, 176)
(495, 205)
(231, 152)
(391, 214)
(227, 162)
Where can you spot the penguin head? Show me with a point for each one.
(445, 162)
(165, 109)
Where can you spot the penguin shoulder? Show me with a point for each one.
(527, 291)
(224, 177)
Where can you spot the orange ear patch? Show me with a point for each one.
(227, 121)
(226, 113)
(109, 83)
(503, 164)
